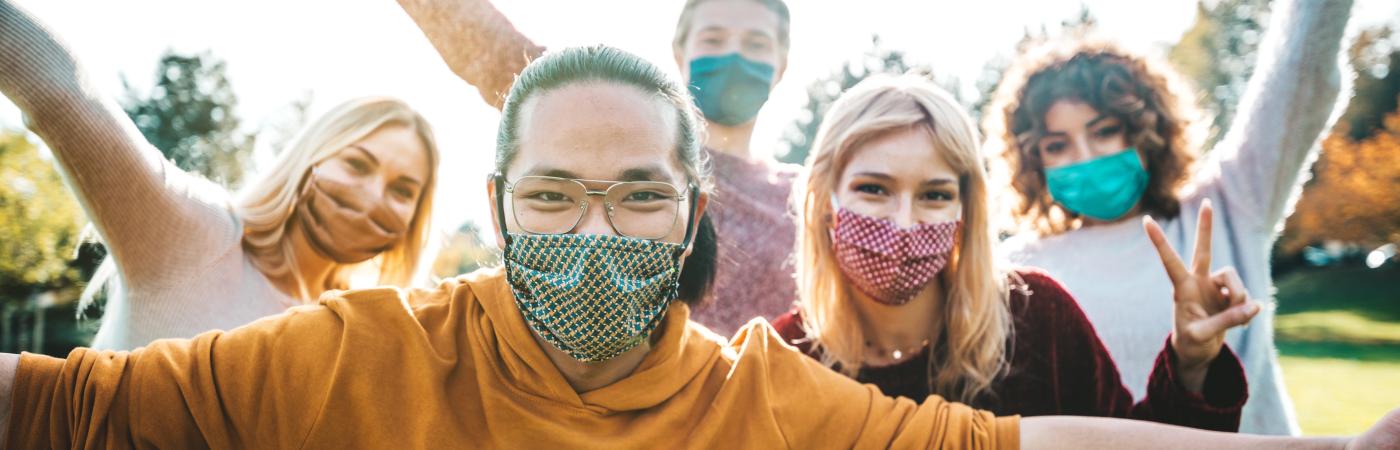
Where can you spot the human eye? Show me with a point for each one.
(870, 189)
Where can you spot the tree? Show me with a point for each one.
(1353, 196)
(1083, 24)
(465, 252)
(189, 115)
(1217, 55)
(40, 222)
(1375, 57)
(799, 136)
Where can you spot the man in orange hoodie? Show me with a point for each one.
(581, 340)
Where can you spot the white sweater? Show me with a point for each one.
(1252, 178)
(175, 238)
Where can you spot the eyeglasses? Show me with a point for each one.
(551, 205)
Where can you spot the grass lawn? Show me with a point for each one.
(1338, 331)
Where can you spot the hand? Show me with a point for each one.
(344, 224)
(1207, 304)
(1385, 434)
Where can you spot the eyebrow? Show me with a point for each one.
(643, 173)
(931, 181)
(1091, 123)
(366, 152)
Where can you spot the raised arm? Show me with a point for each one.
(151, 213)
(1289, 102)
(476, 41)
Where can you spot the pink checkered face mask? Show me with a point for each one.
(886, 262)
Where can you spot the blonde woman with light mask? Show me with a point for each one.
(899, 288)
(356, 187)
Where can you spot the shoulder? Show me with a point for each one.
(1037, 297)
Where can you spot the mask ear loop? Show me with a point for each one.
(500, 180)
(692, 222)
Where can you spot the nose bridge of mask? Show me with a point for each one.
(915, 221)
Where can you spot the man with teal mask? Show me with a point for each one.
(730, 54)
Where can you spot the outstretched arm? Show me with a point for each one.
(476, 41)
(1097, 432)
(1289, 102)
(138, 200)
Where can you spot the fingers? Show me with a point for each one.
(1176, 270)
(1200, 259)
(1225, 320)
(1229, 281)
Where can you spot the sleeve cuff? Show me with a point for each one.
(1220, 401)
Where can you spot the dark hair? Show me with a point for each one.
(1143, 93)
(698, 275)
(602, 63)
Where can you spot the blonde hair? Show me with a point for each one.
(267, 206)
(977, 320)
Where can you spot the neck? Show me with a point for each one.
(731, 140)
(584, 377)
(905, 327)
(313, 268)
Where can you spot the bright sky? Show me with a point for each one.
(278, 51)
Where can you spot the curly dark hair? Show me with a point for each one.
(1143, 93)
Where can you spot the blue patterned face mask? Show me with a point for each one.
(729, 89)
(593, 296)
(1103, 188)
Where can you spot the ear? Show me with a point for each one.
(495, 214)
(782, 68)
(701, 201)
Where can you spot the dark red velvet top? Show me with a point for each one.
(1058, 366)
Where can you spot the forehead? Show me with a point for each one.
(1069, 114)
(906, 154)
(597, 130)
(397, 146)
(734, 16)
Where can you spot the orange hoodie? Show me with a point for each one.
(364, 370)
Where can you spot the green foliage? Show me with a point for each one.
(465, 252)
(1375, 55)
(39, 221)
(189, 116)
(1217, 55)
(1081, 25)
(799, 136)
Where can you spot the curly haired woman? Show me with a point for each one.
(1095, 137)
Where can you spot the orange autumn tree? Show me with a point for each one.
(1354, 195)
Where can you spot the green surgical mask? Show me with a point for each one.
(1104, 188)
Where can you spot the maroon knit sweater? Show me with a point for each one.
(1058, 366)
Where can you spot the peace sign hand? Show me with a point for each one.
(1207, 304)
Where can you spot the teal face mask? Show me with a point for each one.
(729, 89)
(1104, 188)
